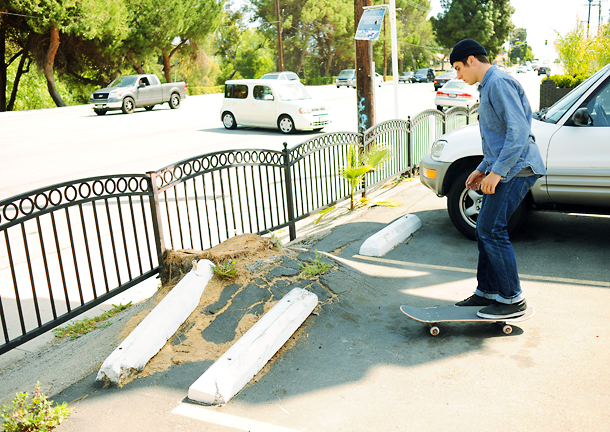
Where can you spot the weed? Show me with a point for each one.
(313, 268)
(226, 269)
(78, 328)
(38, 414)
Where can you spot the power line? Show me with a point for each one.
(21, 15)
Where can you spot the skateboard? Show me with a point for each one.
(435, 315)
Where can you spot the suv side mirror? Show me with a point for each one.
(141, 85)
(581, 117)
(268, 97)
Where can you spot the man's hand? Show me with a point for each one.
(489, 183)
(474, 180)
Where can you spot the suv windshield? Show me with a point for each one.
(347, 72)
(557, 111)
(421, 72)
(292, 92)
(123, 81)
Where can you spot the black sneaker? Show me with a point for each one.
(475, 300)
(503, 311)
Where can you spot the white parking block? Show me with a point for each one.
(159, 325)
(231, 372)
(398, 231)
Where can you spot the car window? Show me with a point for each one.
(422, 71)
(565, 103)
(459, 85)
(236, 91)
(293, 92)
(123, 81)
(260, 91)
(144, 80)
(292, 76)
(599, 106)
(154, 80)
(346, 72)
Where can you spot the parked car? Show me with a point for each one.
(522, 69)
(406, 77)
(287, 76)
(129, 92)
(424, 75)
(456, 93)
(347, 78)
(544, 70)
(573, 139)
(271, 103)
(444, 78)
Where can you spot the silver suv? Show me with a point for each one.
(574, 139)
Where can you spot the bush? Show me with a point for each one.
(194, 91)
(318, 80)
(567, 81)
(40, 415)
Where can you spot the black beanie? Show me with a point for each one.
(465, 48)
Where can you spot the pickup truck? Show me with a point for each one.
(129, 92)
(574, 140)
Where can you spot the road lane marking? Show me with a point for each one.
(207, 415)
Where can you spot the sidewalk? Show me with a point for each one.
(362, 365)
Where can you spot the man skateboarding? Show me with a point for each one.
(511, 165)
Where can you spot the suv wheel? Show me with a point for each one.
(464, 205)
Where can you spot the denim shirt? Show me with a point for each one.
(505, 119)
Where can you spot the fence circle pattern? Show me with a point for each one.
(327, 140)
(215, 161)
(70, 194)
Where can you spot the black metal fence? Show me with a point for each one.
(70, 247)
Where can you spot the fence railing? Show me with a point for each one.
(72, 246)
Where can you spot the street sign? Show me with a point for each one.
(369, 26)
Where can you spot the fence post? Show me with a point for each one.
(155, 211)
(409, 144)
(289, 198)
(362, 150)
(468, 114)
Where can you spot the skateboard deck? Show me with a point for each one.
(436, 315)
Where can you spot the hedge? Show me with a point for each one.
(194, 91)
(567, 81)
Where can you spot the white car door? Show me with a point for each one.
(578, 162)
(263, 106)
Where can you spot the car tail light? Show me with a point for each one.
(442, 94)
(184, 86)
(465, 95)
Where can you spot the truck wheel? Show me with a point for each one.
(174, 101)
(99, 111)
(228, 120)
(285, 124)
(149, 107)
(464, 205)
(128, 105)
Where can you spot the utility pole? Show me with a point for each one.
(385, 54)
(280, 49)
(364, 75)
(589, 18)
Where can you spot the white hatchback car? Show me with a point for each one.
(272, 103)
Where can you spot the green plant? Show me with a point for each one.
(358, 164)
(313, 268)
(567, 81)
(86, 325)
(226, 269)
(38, 414)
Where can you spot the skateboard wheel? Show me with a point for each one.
(507, 329)
(434, 331)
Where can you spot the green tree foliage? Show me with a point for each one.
(416, 40)
(486, 21)
(242, 51)
(317, 35)
(519, 49)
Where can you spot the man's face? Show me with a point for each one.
(465, 72)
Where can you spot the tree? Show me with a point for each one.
(486, 21)
(581, 55)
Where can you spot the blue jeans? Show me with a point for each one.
(497, 274)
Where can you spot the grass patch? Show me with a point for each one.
(226, 269)
(36, 414)
(78, 328)
(314, 267)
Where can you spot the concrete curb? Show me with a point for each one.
(159, 325)
(385, 240)
(231, 372)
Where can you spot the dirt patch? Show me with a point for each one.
(229, 307)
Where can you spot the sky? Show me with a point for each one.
(542, 18)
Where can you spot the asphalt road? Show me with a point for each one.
(43, 147)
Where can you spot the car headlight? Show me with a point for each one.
(304, 110)
(437, 148)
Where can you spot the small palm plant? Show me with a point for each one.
(358, 164)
